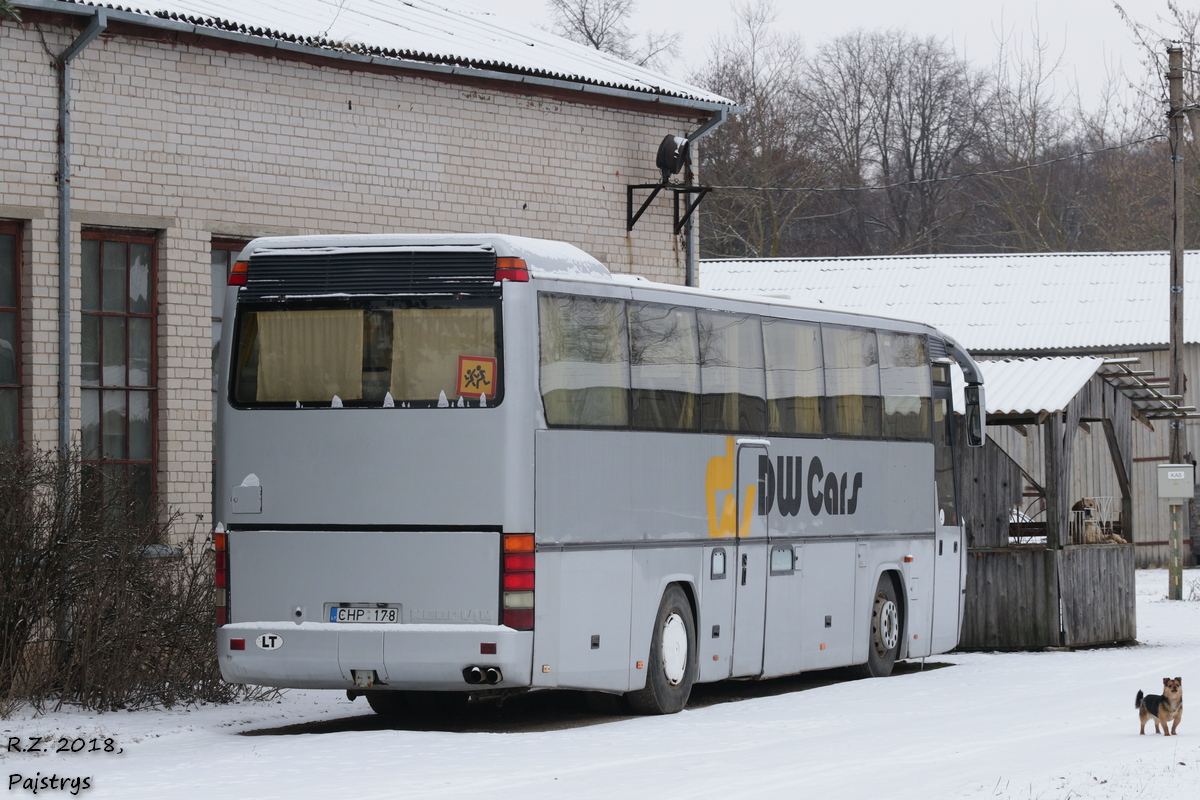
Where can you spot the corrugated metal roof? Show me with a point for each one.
(1037, 386)
(1005, 302)
(431, 31)
(1030, 385)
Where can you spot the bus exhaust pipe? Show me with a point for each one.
(478, 675)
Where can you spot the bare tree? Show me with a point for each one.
(897, 115)
(886, 142)
(604, 25)
(1180, 25)
(766, 148)
(926, 110)
(836, 90)
(1028, 121)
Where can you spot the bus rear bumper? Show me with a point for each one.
(316, 655)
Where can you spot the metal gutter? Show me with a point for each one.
(708, 127)
(559, 84)
(95, 27)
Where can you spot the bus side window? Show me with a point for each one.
(905, 383)
(665, 362)
(852, 402)
(795, 378)
(731, 373)
(584, 361)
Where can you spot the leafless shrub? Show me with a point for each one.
(97, 609)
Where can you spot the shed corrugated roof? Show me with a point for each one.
(433, 31)
(997, 303)
(1030, 385)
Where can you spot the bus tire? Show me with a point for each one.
(883, 646)
(671, 670)
(388, 704)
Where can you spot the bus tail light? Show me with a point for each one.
(517, 581)
(512, 269)
(237, 275)
(221, 576)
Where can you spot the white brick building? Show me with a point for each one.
(190, 135)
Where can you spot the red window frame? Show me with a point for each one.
(102, 386)
(15, 229)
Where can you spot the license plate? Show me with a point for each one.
(363, 614)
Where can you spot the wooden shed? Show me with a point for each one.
(1049, 559)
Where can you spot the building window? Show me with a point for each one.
(118, 378)
(10, 334)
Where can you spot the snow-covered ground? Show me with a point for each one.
(991, 725)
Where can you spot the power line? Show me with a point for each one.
(962, 176)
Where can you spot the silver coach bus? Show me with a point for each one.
(477, 463)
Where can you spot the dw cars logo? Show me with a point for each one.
(786, 484)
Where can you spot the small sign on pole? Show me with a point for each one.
(1176, 483)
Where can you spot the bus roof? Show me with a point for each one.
(545, 258)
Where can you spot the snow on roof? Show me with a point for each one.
(1029, 385)
(997, 303)
(545, 258)
(444, 32)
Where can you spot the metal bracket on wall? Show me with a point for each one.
(685, 192)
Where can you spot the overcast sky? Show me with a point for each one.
(1090, 35)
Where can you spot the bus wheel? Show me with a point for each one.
(884, 643)
(388, 704)
(671, 670)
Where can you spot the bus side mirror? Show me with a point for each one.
(975, 418)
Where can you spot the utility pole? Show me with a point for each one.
(1175, 138)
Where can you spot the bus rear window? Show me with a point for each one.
(367, 353)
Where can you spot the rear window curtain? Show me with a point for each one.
(310, 355)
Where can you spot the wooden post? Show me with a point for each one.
(1120, 463)
(1052, 438)
(1175, 583)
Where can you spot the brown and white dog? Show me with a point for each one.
(1087, 514)
(1162, 708)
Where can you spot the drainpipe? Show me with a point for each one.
(99, 23)
(713, 123)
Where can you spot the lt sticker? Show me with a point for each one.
(476, 376)
(269, 641)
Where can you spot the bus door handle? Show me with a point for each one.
(744, 558)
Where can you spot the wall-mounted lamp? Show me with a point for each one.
(673, 155)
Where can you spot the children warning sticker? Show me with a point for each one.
(476, 376)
